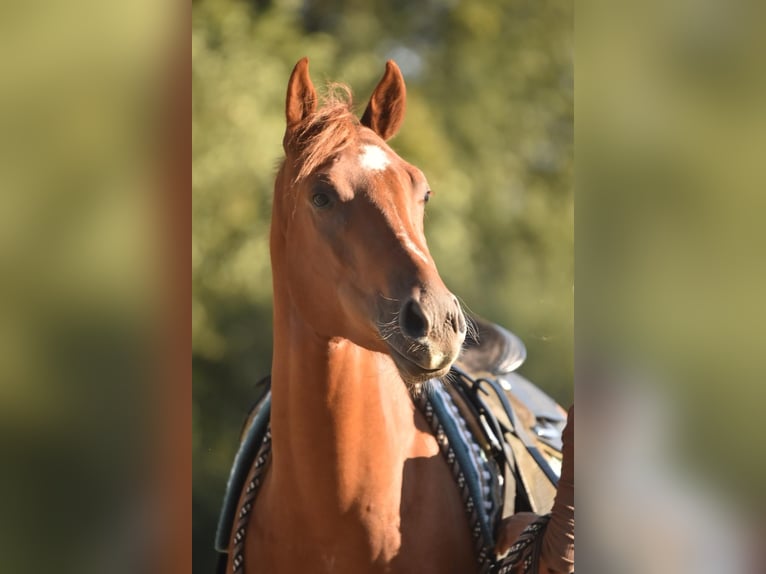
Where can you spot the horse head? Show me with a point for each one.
(347, 239)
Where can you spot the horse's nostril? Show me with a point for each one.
(413, 322)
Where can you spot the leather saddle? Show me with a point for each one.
(491, 348)
(495, 351)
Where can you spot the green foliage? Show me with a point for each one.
(489, 121)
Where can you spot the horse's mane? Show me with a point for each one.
(327, 131)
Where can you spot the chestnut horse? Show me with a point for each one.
(356, 482)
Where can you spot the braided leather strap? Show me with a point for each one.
(524, 555)
(257, 474)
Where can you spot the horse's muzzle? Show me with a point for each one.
(429, 337)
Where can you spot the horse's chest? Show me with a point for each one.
(419, 526)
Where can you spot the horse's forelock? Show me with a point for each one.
(326, 132)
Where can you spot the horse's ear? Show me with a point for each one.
(301, 95)
(385, 112)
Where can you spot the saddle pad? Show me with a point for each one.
(482, 477)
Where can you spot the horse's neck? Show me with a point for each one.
(343, 423)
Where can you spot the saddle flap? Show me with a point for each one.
(549, 417)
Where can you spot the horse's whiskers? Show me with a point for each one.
(392, 299)
(389, 325)
(385, 336)
(472, 330)
(386, 330)
(449, 379)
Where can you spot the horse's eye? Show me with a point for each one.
(320, 199)
(427, 196)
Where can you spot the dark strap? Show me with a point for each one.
(489, 432)
(482, 385)
(239, 470)
(255, 479)
(524, 555)
(519, 431)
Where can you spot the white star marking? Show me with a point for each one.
(374, 158)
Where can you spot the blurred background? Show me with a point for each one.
(670, 251)
(489, 121)
(83, 265)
